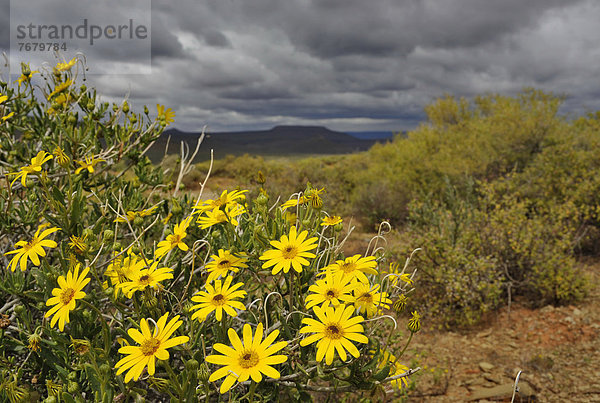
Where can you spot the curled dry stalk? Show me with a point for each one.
(186, 160)
(384, 228)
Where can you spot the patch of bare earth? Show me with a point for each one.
(557, 348)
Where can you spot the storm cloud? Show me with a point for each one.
(351, 64)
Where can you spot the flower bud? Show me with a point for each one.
(19, 310)
(414, 323)
(104, 368)
(203, 373)
(191, 365)
(108, 235)
(72, 387)
(262, 199)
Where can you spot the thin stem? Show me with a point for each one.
(405, 347)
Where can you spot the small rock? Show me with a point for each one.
(569, 319)
(547, 309)
(486, 366)
(502, 391)
(493, 378)
(577, 312)
(512, 344)
(487, 333)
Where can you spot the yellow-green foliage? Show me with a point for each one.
(335, 173)
(487, 138)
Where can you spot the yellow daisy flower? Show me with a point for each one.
(6, 117)
(335, 330)
(78, 243)
(26, 74)
(36, 166)
(251, 358)
(152, 346)
(175, 240)
(150, 277)
(218, 298)
(62, 158)
(168, 115)
(356, 267)
(60, 88)
(290, 251)
(293, 202)
(395, 272)
(387, 358)
(368, 300)
(223, 263)
(333, 289)
(131, 215)
(333, 220)
(65, 295)
(32, 249)
(67, 65)
(225, 198)
(218, 215)
(122, 269)
(88, 164)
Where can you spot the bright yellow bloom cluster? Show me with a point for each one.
(355, 267)
(220, 215)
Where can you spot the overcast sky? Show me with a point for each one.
(350, 65)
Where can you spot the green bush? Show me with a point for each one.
(479, 250)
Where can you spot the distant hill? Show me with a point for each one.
(278, 141)
(378, 135)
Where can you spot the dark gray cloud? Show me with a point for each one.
(354, 64)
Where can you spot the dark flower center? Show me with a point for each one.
(67, 296)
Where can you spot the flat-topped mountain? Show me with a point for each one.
(277, 141)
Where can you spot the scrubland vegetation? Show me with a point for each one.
(501, 193)
(124, 280)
